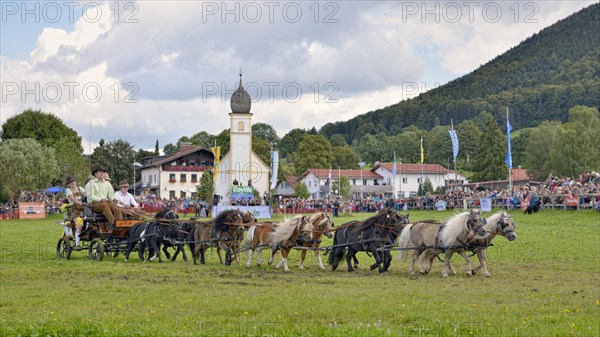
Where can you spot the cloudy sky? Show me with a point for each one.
(147, 70)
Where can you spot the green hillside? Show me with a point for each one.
(540, 79)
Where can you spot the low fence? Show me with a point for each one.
(559, 201)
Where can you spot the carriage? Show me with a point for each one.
(97, 237)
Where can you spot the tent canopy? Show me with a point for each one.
(55, 189)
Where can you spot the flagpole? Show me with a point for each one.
(422, 168)
(339, 181)
(394, 178)
(510, 187)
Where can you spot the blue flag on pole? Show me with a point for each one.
(508, 159)
(454, 138)
(394, 167)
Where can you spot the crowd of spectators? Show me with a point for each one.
(554, 190)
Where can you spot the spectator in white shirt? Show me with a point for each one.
(123, 197)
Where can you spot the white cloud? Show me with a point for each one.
(170, 73)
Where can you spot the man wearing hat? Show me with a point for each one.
(123, 197)
(101, 194)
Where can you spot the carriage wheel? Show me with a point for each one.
(96, 250)
(63, 248)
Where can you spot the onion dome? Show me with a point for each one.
(240, 100)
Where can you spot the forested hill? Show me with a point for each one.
(540, 79)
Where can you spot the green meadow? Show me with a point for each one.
(546, 283)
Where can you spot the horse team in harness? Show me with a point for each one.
(377, 235)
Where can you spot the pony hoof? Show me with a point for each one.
(356, 266)
(488, 275)
(350, 270)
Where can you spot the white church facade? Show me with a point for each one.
(241, 166)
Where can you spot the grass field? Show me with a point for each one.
(546, 283)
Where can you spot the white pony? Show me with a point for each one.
(500, 223)
(437, 237)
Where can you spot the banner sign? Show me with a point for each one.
(440, 205)
(242, 190)
(260, 212)
(486, 204)
(32, 210)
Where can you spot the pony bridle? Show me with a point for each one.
(471, 222)
(503, 227)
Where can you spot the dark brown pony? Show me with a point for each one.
(370, 235)
(321, 224)
(224, 232)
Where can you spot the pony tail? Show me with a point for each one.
(404, 242)
(250, 236)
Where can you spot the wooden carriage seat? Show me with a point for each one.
(91, 215)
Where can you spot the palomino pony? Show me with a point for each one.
(321, 224)
(278, 236)
(370, 235)
(286, 235)
(500, 223)
(453, 234)
(224, 232)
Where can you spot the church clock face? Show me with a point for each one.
(240, 126)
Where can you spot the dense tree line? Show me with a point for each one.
(540, 79)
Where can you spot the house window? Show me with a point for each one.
(194, 178)
(172, 178)
(182, 194)
(418, 180)
(364, 182)
(309, 183)
(171, 194)
(182, 178)
(405, 180)
(353, 181)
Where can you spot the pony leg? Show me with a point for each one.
(259, 256)
(355, 262)
(181, 248)
(284, 256)
(249, 262)
(466, 257)
(349, 257)
(447, 256)
(272, 257)
(318, 256)
(219, 253)
(482, 256)
(302, 256)
(167, 254)
(417, 258)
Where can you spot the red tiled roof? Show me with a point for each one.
(177, 155)
(292, 180)
(353, 174)
(413, 168)
(519, 174)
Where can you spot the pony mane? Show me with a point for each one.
(283, 231)
(163, 214)
(370, 222)
(452, 228)
(492, 220)
(222, 221)
(315, 216)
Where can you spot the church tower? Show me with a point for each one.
(241, 165)
(240, 137)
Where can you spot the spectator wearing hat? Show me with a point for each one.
(101, 194)
(75, 194)
(123, 197)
